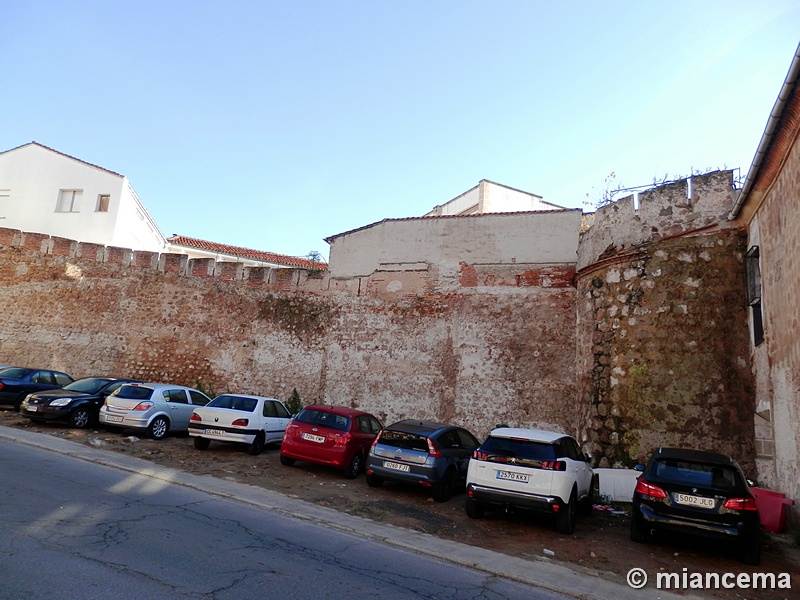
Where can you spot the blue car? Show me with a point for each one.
(16, 383)
(430, 455)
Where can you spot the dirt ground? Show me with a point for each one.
(601, 542)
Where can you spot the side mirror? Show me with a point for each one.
(638, 467)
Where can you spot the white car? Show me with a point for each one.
(541, 471)
(156, 408)
(240, 418)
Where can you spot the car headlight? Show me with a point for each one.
(60, 402)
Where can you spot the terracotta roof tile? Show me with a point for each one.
(280, 259)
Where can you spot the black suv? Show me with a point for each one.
(432, 455)
(698, 493)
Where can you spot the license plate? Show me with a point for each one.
(512, 476)
(113, 419)
(318, 439)
(688, 500)
(32, 408)
(396, 466)
(213, 432)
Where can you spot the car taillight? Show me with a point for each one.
(478, 455)
(241, 422)
(1, 386)
(432, 449)
(143, 406)
(741, 504)
(653, 492)
(554, 465)
(342, 440)
(195, 417)
(377, 437)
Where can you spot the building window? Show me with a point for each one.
(69, 201)
(103, 201)
(752, 269)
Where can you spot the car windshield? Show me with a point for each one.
(90, 385)
(525, 449)
(134, 392)
(323, 418)
(696, 473)
(15, 373)
(241, 403)
(404, 440)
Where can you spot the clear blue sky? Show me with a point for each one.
(274, 124)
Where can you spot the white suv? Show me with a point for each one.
(541, 471)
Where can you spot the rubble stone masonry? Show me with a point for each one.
(641, 341)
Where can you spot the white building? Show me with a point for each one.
(45, 191)
(490, 197)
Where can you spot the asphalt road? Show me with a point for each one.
(77, 529)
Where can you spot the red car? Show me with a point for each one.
(330, 435)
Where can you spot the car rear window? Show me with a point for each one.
(696, 473)
(134, 392)
(15, 373)
(404, 440)
(87, 386)
(234, 403)
(497, 447)
(324, 418)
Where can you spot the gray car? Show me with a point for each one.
(155, 408)
(431, 455)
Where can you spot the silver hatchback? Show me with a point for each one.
(156, 408)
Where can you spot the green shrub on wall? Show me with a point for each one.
(294, 403)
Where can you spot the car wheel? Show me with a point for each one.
(751, 554)
(474, 510)
(638, 530)
(443, 491)
(158, 428)
(257, 445)
(351, 472)
(80, 418)
(286, 461)
(374, 481)
(585, 506)
(201, 443)
(565, 521)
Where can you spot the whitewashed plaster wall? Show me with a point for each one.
(548, 237)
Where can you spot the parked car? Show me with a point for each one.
(16, 383)
(697, 493)
(330, 435)
(155, 408)
(77, 403)
(540, 471)
(432, 455)
(252, 420)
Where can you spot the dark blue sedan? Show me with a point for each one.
(16, 383)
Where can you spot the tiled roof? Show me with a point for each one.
(271, 257)
(443, 217)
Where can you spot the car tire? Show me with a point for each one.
(201, 443)
(257, 445)
(585, 505)
(473, 509)
(565, 520)
(751, 552)
(80, 418)
(158, 428)
(444, 489)
(352, 470)
(638, 529)
(286, 461)
(374, 481)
